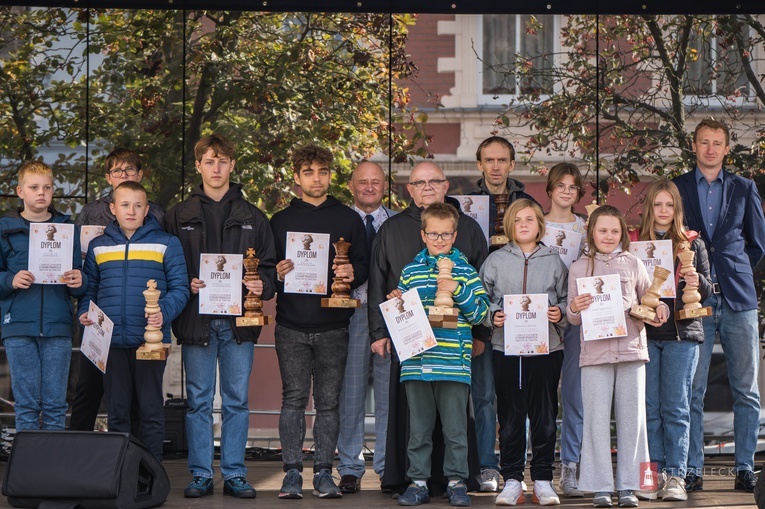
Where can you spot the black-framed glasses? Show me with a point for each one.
(130, 171)
(432, 183)
(447, 236)
(563, 187)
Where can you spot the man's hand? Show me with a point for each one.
(256, 287)
(196, 284)
(283, 268)
(478, 347)
(381, 347)
(344, 271)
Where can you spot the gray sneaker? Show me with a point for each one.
(674, 489)
(568, 482)
(324, 486)
(627, 499)
(489, 480)
(292, 486)
(602, 499)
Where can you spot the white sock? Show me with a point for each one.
(421, 484)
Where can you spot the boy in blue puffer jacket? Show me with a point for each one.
(118, 265)
(36, 318)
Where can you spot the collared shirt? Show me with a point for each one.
(379, 216)
(710, 202)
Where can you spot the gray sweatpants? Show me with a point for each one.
(625, 384)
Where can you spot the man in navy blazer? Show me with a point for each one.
(726, 210)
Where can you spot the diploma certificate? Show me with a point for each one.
(97, 338)
(222, 275)
(564, 242)
(653, 253)
(527, 329)
(89, 232)
(50, 251)
(605, 317)
(408, 325)
(309, 253)
(477, 207)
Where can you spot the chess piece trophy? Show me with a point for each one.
(646, 310)
(592, 207)
(341, 290)
(153, 349)
(500, 239)
(253, 305)
(443, 313)
(692, 307)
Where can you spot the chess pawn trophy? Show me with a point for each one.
(341, 290)
(153, 349)
(253, 305)
(500, 239)
(592, 207)
(443, 313)
(646, 310)
(691, 297)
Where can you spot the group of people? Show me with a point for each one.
(436, 413)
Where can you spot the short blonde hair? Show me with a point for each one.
(34, 168)
(509, 220)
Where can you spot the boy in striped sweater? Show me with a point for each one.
(438, 380)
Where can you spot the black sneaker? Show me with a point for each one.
(199, 487)
(324, 486)
(745, 481)
(414, 495)
(292, 486)
(694, 482)
(238, 487)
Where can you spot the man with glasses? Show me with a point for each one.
(496, 161)
(121, 165)
(396, 243)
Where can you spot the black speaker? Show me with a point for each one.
(175, 426)
(90, 470)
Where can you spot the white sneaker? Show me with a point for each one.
(489, 480)
(674, 489)
(568, 482)
(512, 494)
(652, 494)
(544, 493)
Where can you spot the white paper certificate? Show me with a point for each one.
(526, 327)
(477, 207)
(564, 242)
(97, 338)
(309, 253)
(222, 275)
(605, 317)
(653, 253)
(89, 232)
(50, 251)
(408, 325)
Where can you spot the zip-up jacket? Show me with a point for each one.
(508, 272)
(118, 269)
(40, 310)
(98, 213)
(246, 227)
(450, 359)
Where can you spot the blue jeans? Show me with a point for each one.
(739, 339)
(669, 375)
(304, 356)
(200, 363)
(482, 392)
(571, 397)
(39, 373)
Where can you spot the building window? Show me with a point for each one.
(714, 68)
(503, 40)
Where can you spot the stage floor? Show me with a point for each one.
(266, 476)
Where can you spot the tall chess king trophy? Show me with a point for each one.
(341, 290)
(253, 305)
(500, 239)
(646, 310)
(153, 349)
(443, 313)
(692, 307)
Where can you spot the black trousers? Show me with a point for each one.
(527, 387)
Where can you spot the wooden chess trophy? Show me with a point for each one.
(253, 305)
(153, 349)
(341, 289)
(646, 310)
(443, 313)
(500, 239)
(692, 307)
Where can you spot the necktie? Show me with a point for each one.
(370, 228)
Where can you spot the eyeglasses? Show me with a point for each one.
(435, 236)
(563, 188)
(432, 183)
(121, 172)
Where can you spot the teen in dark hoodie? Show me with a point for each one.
(311, 341)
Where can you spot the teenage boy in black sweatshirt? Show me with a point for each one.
(311, 340)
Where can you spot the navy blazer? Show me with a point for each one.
(738, 243)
